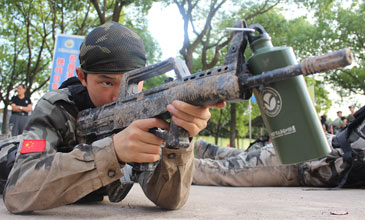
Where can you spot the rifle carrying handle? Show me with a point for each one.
(131, 79)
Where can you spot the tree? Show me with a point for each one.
(341, 24)
(112, 10)
(349, 32)
(200, 17)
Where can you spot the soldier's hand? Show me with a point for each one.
(190, 117)
(136, 144)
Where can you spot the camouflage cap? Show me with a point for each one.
(111, 48)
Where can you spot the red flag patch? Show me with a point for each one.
(33, 146)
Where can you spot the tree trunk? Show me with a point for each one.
(216, 135)
(237, 141)
(233, 126)
(216, 138)
(4, 128)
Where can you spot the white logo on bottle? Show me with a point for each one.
(271, 101)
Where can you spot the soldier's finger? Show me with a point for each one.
(144, 137)
(197, 111)
(192, 128)
(218, 105)
(147, 124)
(180, 114)
(147, 158)
(146, 148)
(188, 112)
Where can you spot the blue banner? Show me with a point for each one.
(253, 99)
(65, 59)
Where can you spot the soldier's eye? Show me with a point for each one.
(108, 83)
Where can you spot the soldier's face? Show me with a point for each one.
(102, 88)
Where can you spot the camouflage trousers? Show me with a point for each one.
(260, 166)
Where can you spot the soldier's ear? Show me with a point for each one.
(81, 75)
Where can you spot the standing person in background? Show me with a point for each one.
(339, 123)
(21, 106)
(325, 123)
(350, 118)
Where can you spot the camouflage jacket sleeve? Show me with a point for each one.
(44, 180)
(169, 184)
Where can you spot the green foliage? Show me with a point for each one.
(322, 102)
(219, 122)
(341, 24)
(154, 82)
(350, 33)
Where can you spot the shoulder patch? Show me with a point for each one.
(33, 146)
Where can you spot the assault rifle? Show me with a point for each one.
(230, 82)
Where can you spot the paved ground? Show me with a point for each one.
(226, 203)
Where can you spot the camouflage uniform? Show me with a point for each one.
(262, 167)
(67, 171)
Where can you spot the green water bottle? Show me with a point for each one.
(286, 107)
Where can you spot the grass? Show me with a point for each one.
(224, 142)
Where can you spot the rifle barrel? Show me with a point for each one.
(317, 64)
